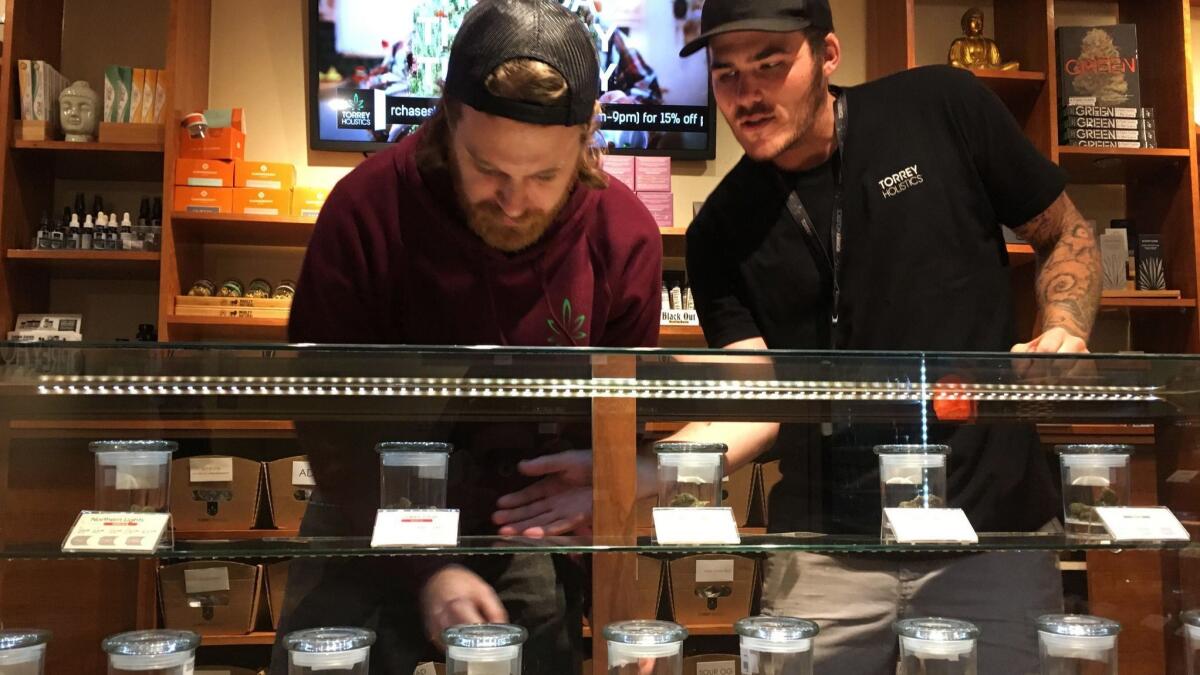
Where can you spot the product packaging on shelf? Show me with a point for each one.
(204, 173)
(221, 142)
(259, 202)
(210, 597)
(264, 175)
(621, 168)
(661, 206)
(203, 200)
(712, 664)
(289, 486)
(652, 174)
(307, 201)
(277, 580)
(712, 589)
(215, 493)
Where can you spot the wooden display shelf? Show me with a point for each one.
(67, 146)
(1119, 166)
(260, 637)
(1017, 88)
(90, 264)
(205, 428)
(207, 328)
(1147, 303)
(674, 241)
(233, 535)
(681, 337)
(248, 230)
(1020, 254)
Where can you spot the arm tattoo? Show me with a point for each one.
(1069, 281)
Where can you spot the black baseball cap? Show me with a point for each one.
(496, 31)
(772, 16)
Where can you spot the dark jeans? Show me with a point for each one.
(540, 592)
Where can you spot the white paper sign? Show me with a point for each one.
(425, 669)
(137, 477)
(116, 532)
(704, 525)
(1154, 523)
(931, 526)
(210, 469)
(206, 580)
(714, 571)
(415, 527)
(1183, 476)
(717, 668)
(302, 475)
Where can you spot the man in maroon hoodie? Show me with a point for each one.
(492, 225)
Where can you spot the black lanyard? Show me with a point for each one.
(800, 214)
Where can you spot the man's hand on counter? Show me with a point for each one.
(559, 503)
(1057, 340)
(455, 595)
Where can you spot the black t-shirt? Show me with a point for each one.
(933, 164)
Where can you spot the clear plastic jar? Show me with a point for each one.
(133, 476)
(1191, 636)
(689, 474)
(484, 649)
(645, 647)
(413, 475)
(912, 476)
(23, 652)
(1093, 475)
(1077, 644)
(330, 651)
(776, 644)
(152, 652)
(936, 646)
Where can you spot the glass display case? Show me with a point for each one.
(1010, 433)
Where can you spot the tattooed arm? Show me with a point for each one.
(1069, 281)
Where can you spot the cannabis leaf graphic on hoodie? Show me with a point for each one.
(569, 330)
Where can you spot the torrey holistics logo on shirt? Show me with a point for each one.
(902, 180)
(357, 112)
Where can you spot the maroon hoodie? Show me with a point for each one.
(391, 261)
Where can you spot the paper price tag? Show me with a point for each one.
(206, 580)
(749, 662)
(1155, 523)
(136, 477)
(931, 526)
(714, 571)
(302, 474)
(717, 668)
(425, 669)
(210, 469)
(116, 532)
(705, 525)
(415, 527)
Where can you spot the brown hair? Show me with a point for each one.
(524, 80)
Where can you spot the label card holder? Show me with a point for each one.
(930, 526)
(695, 525)
(1153, 523)
(717, 668)
(415, 527)
(115, 532)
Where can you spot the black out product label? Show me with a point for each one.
(1099, 65)
(357, 111)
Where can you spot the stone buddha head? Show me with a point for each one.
(79, 112)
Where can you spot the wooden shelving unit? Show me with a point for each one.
(66, 146)
(248, 230)
(255, 638)
(209, 329)
(89, 264)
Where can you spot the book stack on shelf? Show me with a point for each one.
(40, 84)
(1100, 97)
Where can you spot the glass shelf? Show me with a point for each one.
(324, 547)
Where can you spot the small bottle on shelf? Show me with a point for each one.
(144, 213)
(156, 214)
(76, 231)
(58, 238)
(43, 232)
(97, 205)
(80, 203)
(100, 240)
(86, 241)
(126, 233)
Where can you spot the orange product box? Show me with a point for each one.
(204, 173)
(225, 143)
(307, 201)
(264, 175)
(256, 202)
(203, 199)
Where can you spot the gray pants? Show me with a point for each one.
(855, 599)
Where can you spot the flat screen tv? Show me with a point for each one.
(376, 68)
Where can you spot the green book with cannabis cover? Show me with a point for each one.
(1099, 66)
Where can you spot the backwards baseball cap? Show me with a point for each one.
(496, 31)
(771, 16)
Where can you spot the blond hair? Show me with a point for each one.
(527, 81)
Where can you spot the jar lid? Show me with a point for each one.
(20, 638)
(936, 629)
(414, 446)
(329, 640)
(133, 446)
(689, 447)
(776, 628)
(484, 636)
(1078, 625)
(151, 642)
(912, 449)
(1191, 618)
(1094, 449)
(642, 632)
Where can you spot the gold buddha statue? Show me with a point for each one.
(973, 50)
